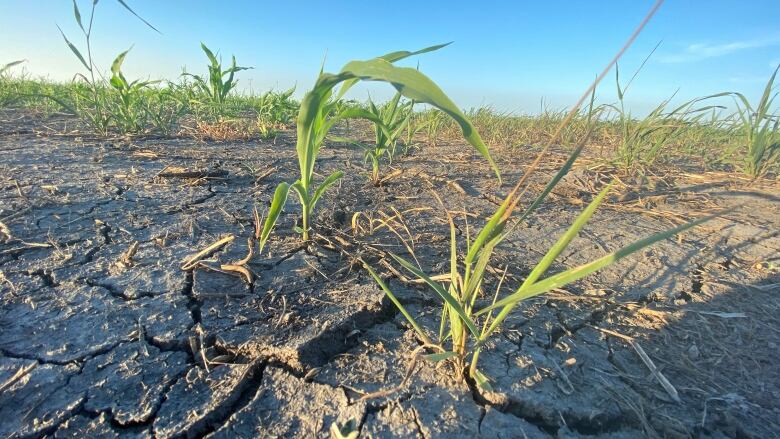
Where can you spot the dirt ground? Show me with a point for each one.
(94, 343)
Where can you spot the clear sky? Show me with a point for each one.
(509, 54)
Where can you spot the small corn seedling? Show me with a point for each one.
(274, 111)
(390, 121)
(213, 90)
(760, 131)
(316, 117)
(129, 110)
(394, 117)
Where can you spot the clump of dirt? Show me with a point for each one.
(98, 340)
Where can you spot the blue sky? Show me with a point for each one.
(512, 55)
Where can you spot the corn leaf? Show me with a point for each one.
(418, 87)
(277, 203)
(332, 178)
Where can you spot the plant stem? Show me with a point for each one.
(306, 211)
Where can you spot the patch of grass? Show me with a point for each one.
(7, 95)
(759, 132)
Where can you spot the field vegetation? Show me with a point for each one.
(473, 305)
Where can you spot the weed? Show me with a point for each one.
(7, 95)
(467, 322)
(90, 100)
(642, 141)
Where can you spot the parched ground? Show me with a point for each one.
(96, 340)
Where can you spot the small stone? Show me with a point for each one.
(693, 352)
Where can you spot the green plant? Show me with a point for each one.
(274, 111)
(316, 117)
(213, 90)
(129, 109)
(468, 324)
(394, 117)
(90, 101)
(467, 319)
(389, 123)
(431, 122)
(760, 131)
(642, 141)
(7, 95)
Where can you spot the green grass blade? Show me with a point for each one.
(479, 270)
(565, 239)
(447, 297)
(440, 356)
(5, 67)
(398, 304)
(577, 273)
(77, 14)
(551, 185)
(75, 50)
(493, 228)
(574, 274)
(121, 2)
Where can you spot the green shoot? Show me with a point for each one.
(317, 116)
(128, 112)
(214, 89)
(461, 317)
(760, 131)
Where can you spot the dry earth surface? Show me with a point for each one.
(94, 343)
